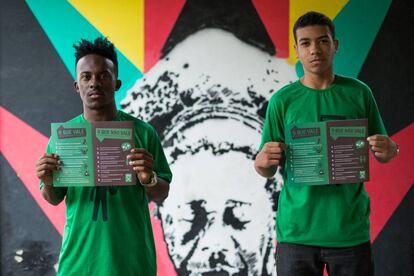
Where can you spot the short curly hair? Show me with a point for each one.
(100, 46)
(313, 18)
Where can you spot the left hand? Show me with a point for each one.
(142, 163)
(383, 147)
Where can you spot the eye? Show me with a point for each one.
(199, 220)
(105, 76)
(235, 214)
(85, 77)
(305, 43)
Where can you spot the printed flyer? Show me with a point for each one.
(93, 154)
(331, 152)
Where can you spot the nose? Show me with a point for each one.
(315, 49)
(216, 238)
(218, 258)
(94, 82)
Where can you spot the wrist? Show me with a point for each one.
(396, 149)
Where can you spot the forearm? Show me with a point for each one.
(159, 192)
(53, 195)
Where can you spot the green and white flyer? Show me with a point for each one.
(331, 152)
(93, 154)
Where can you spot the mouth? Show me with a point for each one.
(316, 61)
(95, 94)
(215, 273)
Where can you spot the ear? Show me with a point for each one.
(296, 50)
(336, 44)
(76, 86)
(118, 85)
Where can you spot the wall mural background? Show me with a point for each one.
(201, 72)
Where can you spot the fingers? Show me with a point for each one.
(139, 154)
(274, 147)
(41, 174)
(45, 166)
(377, 137)
(379, 143)
(48, 162)
(141, 165)
(270, 155)
(274, 156)
(141, 162)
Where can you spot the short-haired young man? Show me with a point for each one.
(325, 224)
(108, 229)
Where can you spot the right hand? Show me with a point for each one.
(48, 163)
(270, 155)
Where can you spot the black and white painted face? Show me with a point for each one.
(213, 225)
(208, 99)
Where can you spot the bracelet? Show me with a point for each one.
(397, 149)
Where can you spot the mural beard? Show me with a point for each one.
(208, 98)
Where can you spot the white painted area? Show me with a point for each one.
(227, 60)
(221, 67)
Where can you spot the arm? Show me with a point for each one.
(143, 164)
(159, 192)
(383, 148)
(44, 171)
(268, 159)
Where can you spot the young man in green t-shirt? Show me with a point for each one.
(324, 224)
(108, 229)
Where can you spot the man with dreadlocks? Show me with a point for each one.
(120, 240)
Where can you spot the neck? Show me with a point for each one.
(321, 81)
(100, 115)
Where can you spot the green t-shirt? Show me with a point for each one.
(108, 229)
(326, 215)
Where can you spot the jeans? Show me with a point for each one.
(302, 260)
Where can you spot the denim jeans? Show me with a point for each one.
(302, 260)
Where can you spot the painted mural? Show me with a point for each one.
(202, 73)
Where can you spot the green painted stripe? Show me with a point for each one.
(64, 26)
(356, 27)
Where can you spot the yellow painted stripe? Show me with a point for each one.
(121, 21)
(330, 8)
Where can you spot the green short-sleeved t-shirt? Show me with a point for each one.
(327, 215)
(108, 229)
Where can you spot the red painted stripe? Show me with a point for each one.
(164, 263)
(160, 17)
(22, 146)
(390, 182)
(275, 17)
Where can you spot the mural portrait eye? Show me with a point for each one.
(199, 221)
(234, 214)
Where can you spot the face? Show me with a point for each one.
(220, 230)
(96, 82)
(315, 48)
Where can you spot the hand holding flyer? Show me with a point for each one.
(93, 154)
(332, 152)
